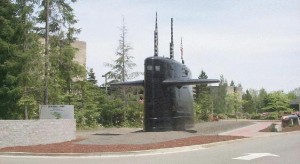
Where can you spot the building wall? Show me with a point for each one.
(295, 104)
(80, 55)
(238, 91)
(230, 90)
(34, 132)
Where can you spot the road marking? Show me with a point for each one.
(252, 156)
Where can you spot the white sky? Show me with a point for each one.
(252, 42)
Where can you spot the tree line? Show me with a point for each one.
(36, 63)
(251, 104)
(37, 67)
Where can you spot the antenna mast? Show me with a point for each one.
(171, 44)
(181, 50)
(156, 38)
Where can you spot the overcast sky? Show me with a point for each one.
(252, 42)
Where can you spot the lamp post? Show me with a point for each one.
(299, 103)
(105, 83)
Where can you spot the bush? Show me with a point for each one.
(204, 116)
(112, 117)
(222, 116)
(112, 113)
(133, 115)
(247, 116)
(231, 116)
(272, 116)
(86, 118)
(255, 116)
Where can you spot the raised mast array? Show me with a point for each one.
(171, 44)
(156, 38)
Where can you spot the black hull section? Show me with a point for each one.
(167, 107)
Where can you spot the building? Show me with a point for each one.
(295, 104)
(80, 55)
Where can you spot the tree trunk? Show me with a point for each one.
(46, 52)
(26, 113)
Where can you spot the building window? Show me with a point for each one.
(149, 68)
(157, 68)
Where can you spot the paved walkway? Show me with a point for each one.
(112, 136)
(252, 130)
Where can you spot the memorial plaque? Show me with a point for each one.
(56, 111)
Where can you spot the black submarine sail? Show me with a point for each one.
(168, 96)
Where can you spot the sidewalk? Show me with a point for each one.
(112, 136)
(251, 131)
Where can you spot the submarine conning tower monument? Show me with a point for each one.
(168, 95)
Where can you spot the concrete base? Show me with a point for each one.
(34, 132)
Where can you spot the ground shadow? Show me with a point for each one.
(106, 134)
(188, 131)
(191, 131)
(138, 131)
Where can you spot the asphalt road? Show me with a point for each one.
(284, 148)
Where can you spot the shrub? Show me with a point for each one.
(133, 115)
(231, 116)
(255, 116)
(86, 118)
(272, 116)
(222, 116)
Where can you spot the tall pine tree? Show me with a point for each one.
(219, 103)
(61, 72)
(122, 66)
(22, 62)
(203, 99)
(8, 48)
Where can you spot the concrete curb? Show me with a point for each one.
(112, 154)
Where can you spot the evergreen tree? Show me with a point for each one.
(220, 99)
(22, 69)
(262, 95)
(8, 81)
(248, 104)
(29, 59)
(232, 83)
(203, 98)
(120, 69)
(60, 70)
(91, 77)
(200, 87)
(254, 95)
(89, 103)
